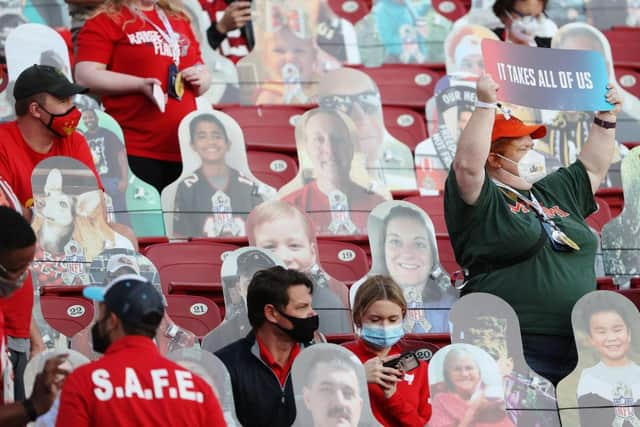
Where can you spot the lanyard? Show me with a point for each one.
(559, 240)
(530, 203)
(170, 36)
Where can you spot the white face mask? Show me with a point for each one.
(525, 28)
(532, 167)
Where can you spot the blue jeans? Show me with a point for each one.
(553, 357)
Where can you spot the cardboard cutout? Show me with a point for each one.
(70, 222)
(237, 270)
(216, 190)
(489, 323)
(336, 36)
(45, 47)
(411, 32)
(568, 131)
(23, 45)
(50, 13)
(604, 389)
(604, 14)
(480, 13)
(566, 11)
(213, 371)
(125, 203)
(454, 106)
(113, 263)
(222, 69)
(330, 388)
(287, 233)
(403, 246)
(465, 384)
(335, 192)
(284, 65)
(621, 236)
(387, 161)
(35, 366)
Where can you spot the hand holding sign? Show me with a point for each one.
(487, 89)
(553, 79)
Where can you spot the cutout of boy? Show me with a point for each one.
(288, 233)
(613, 384)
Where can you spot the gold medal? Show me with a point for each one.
(560, 237)
(179, 85)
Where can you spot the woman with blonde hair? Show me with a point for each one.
(143, 58)
(399, 396)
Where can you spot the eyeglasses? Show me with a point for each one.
(369, 102)
(20, 280)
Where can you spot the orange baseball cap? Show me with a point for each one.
(515, 128)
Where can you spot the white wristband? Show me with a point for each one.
(491, 105)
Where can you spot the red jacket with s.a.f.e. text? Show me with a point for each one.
(409, 405)
(134, 385)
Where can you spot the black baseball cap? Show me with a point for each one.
(45, 78)
(132, 298)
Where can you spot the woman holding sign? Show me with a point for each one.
(521, 235)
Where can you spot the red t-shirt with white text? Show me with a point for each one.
(127, 44)
(133, 385)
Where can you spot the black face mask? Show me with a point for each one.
(99, 341)
(303, 328)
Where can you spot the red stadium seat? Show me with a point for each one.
(633, 295)
(344, 261)
(600, 217)
(450, 9)
(629, 79)
(194, 313)
(4, 77)
(606, 284)
(65, 309)
(405, 125)
(405, 85)
(267, 127)
(143, 242)
(434, 207)
(614, 198)
(190, 267)
(447, 257)
(621, 38)
(274, 169)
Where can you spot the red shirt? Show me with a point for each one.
(17, 159)
(133, 385)
(282, 372)
(313, 201)
(235, 45)
(5, 374)
(409, 405)
(130, 45)
(17, 310)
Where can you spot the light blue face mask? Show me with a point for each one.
(382, 337)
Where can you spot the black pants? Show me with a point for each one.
(158, 173)
(553, 357)
(19, 362)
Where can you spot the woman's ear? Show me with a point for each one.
(494, 161)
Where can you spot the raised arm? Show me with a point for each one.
(475, 143)
(597, 153)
